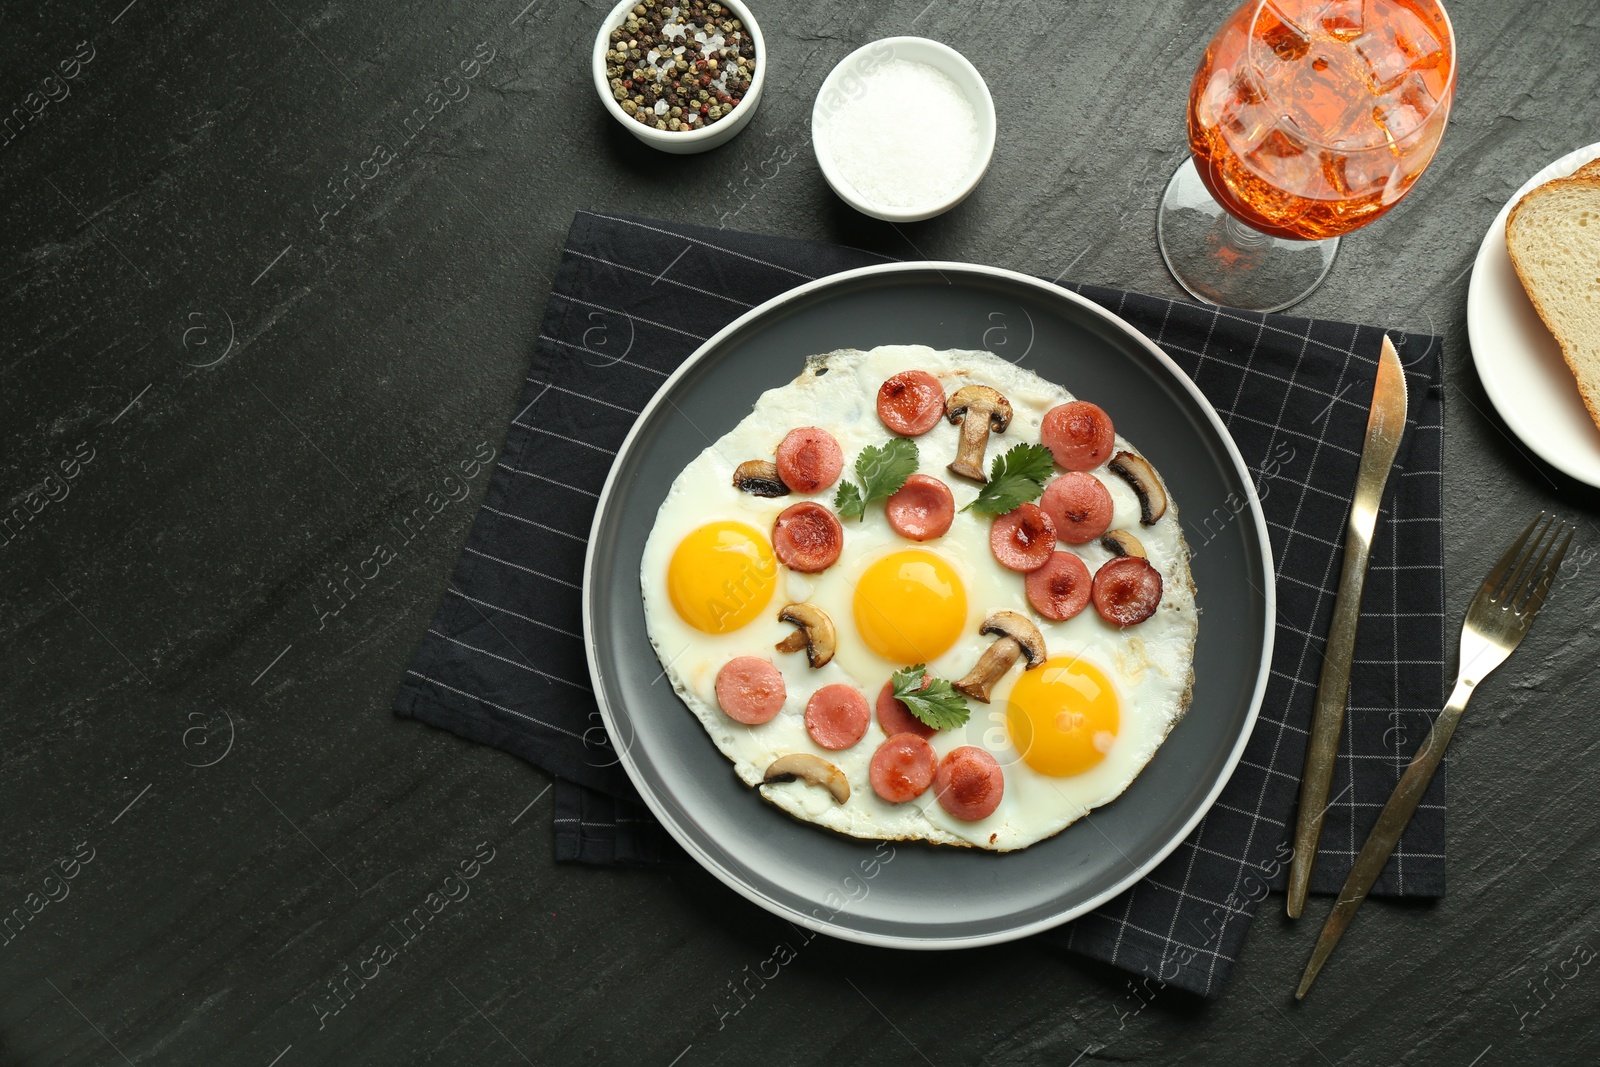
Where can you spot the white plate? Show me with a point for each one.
(1517, 357)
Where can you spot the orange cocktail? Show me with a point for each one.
(1308, 119)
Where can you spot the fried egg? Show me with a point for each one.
(1069, 734)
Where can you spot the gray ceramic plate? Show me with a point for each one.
(913, 895)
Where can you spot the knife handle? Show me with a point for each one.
(1327, 719)
(1386, 832)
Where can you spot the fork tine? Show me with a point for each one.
(1492, 582)
(1534, 568)
(1524, 558)
(1542, 586)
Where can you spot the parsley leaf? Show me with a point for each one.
(881, 471)
(1015, 479)
(847, 501)
(934, 701)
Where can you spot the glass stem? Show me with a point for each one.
(1242, 236)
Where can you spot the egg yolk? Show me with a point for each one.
(910, 607)
(721, 576)
(1063, 716)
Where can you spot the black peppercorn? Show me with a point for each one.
(702, 82)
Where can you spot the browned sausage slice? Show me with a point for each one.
(809, 460)
(1060, 589)
(750, 690)
(1023, 539)
(837, 716)
(1080, 506)
(807, 537)
(896, 718)
(902, 768)
(1127, 590)
(969, 783)
(911, 403)
(922, 509)
(1079, 434)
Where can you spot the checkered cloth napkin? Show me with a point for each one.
(503, 663)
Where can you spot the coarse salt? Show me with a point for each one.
(907, 139)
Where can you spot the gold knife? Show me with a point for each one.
(1386, 425)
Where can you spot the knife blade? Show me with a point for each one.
(1386, 425)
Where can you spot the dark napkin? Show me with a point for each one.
(503, 662)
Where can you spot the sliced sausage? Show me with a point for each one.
(969, 783)
(902, 768)
(809, 460)
(1060, 589)
(922, 509)
(911, 403)
(807, 537)
(1022, 540)
(896, 718)
(1079, 435)
(1127, 590)
(750, 690)
(1080, 506)
(837, 716)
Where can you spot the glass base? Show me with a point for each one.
(1220, 260)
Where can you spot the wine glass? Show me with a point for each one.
(1307, 119)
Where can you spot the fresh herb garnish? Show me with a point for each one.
(881, 471)
(933, 701)
(847, 501)
(1014, 479)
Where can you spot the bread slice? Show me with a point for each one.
(1553, 235)
(1590, 169)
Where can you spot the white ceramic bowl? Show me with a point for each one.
(679, 142)
(846, 82)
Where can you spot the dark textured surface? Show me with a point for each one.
(140, 609)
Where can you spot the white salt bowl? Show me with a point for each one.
(847, 81)
(678, 142)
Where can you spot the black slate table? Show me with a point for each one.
(275, 342)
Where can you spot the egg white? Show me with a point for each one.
(1149, 664)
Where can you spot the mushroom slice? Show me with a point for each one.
(978, 409)
(1122, 543)
(815, 633)
(759, 477)
(1017, 638)
(1137, 472)
(813, 769)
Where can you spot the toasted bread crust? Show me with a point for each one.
(1589, 176)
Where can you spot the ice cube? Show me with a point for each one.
(1343, 20)
(1397, 40)
(1402, 111)
(1209, 105)
(1279, 145)
(1414, 93)
(1334, 167)
(1279, 32)
(1366, 173)
(1246, 120)
(1244, 137)
(1382, 62)
(1282, 161)
(1396, 185)
(1410, 34)
(1300, 14)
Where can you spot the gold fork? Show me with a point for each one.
(1497, 620)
